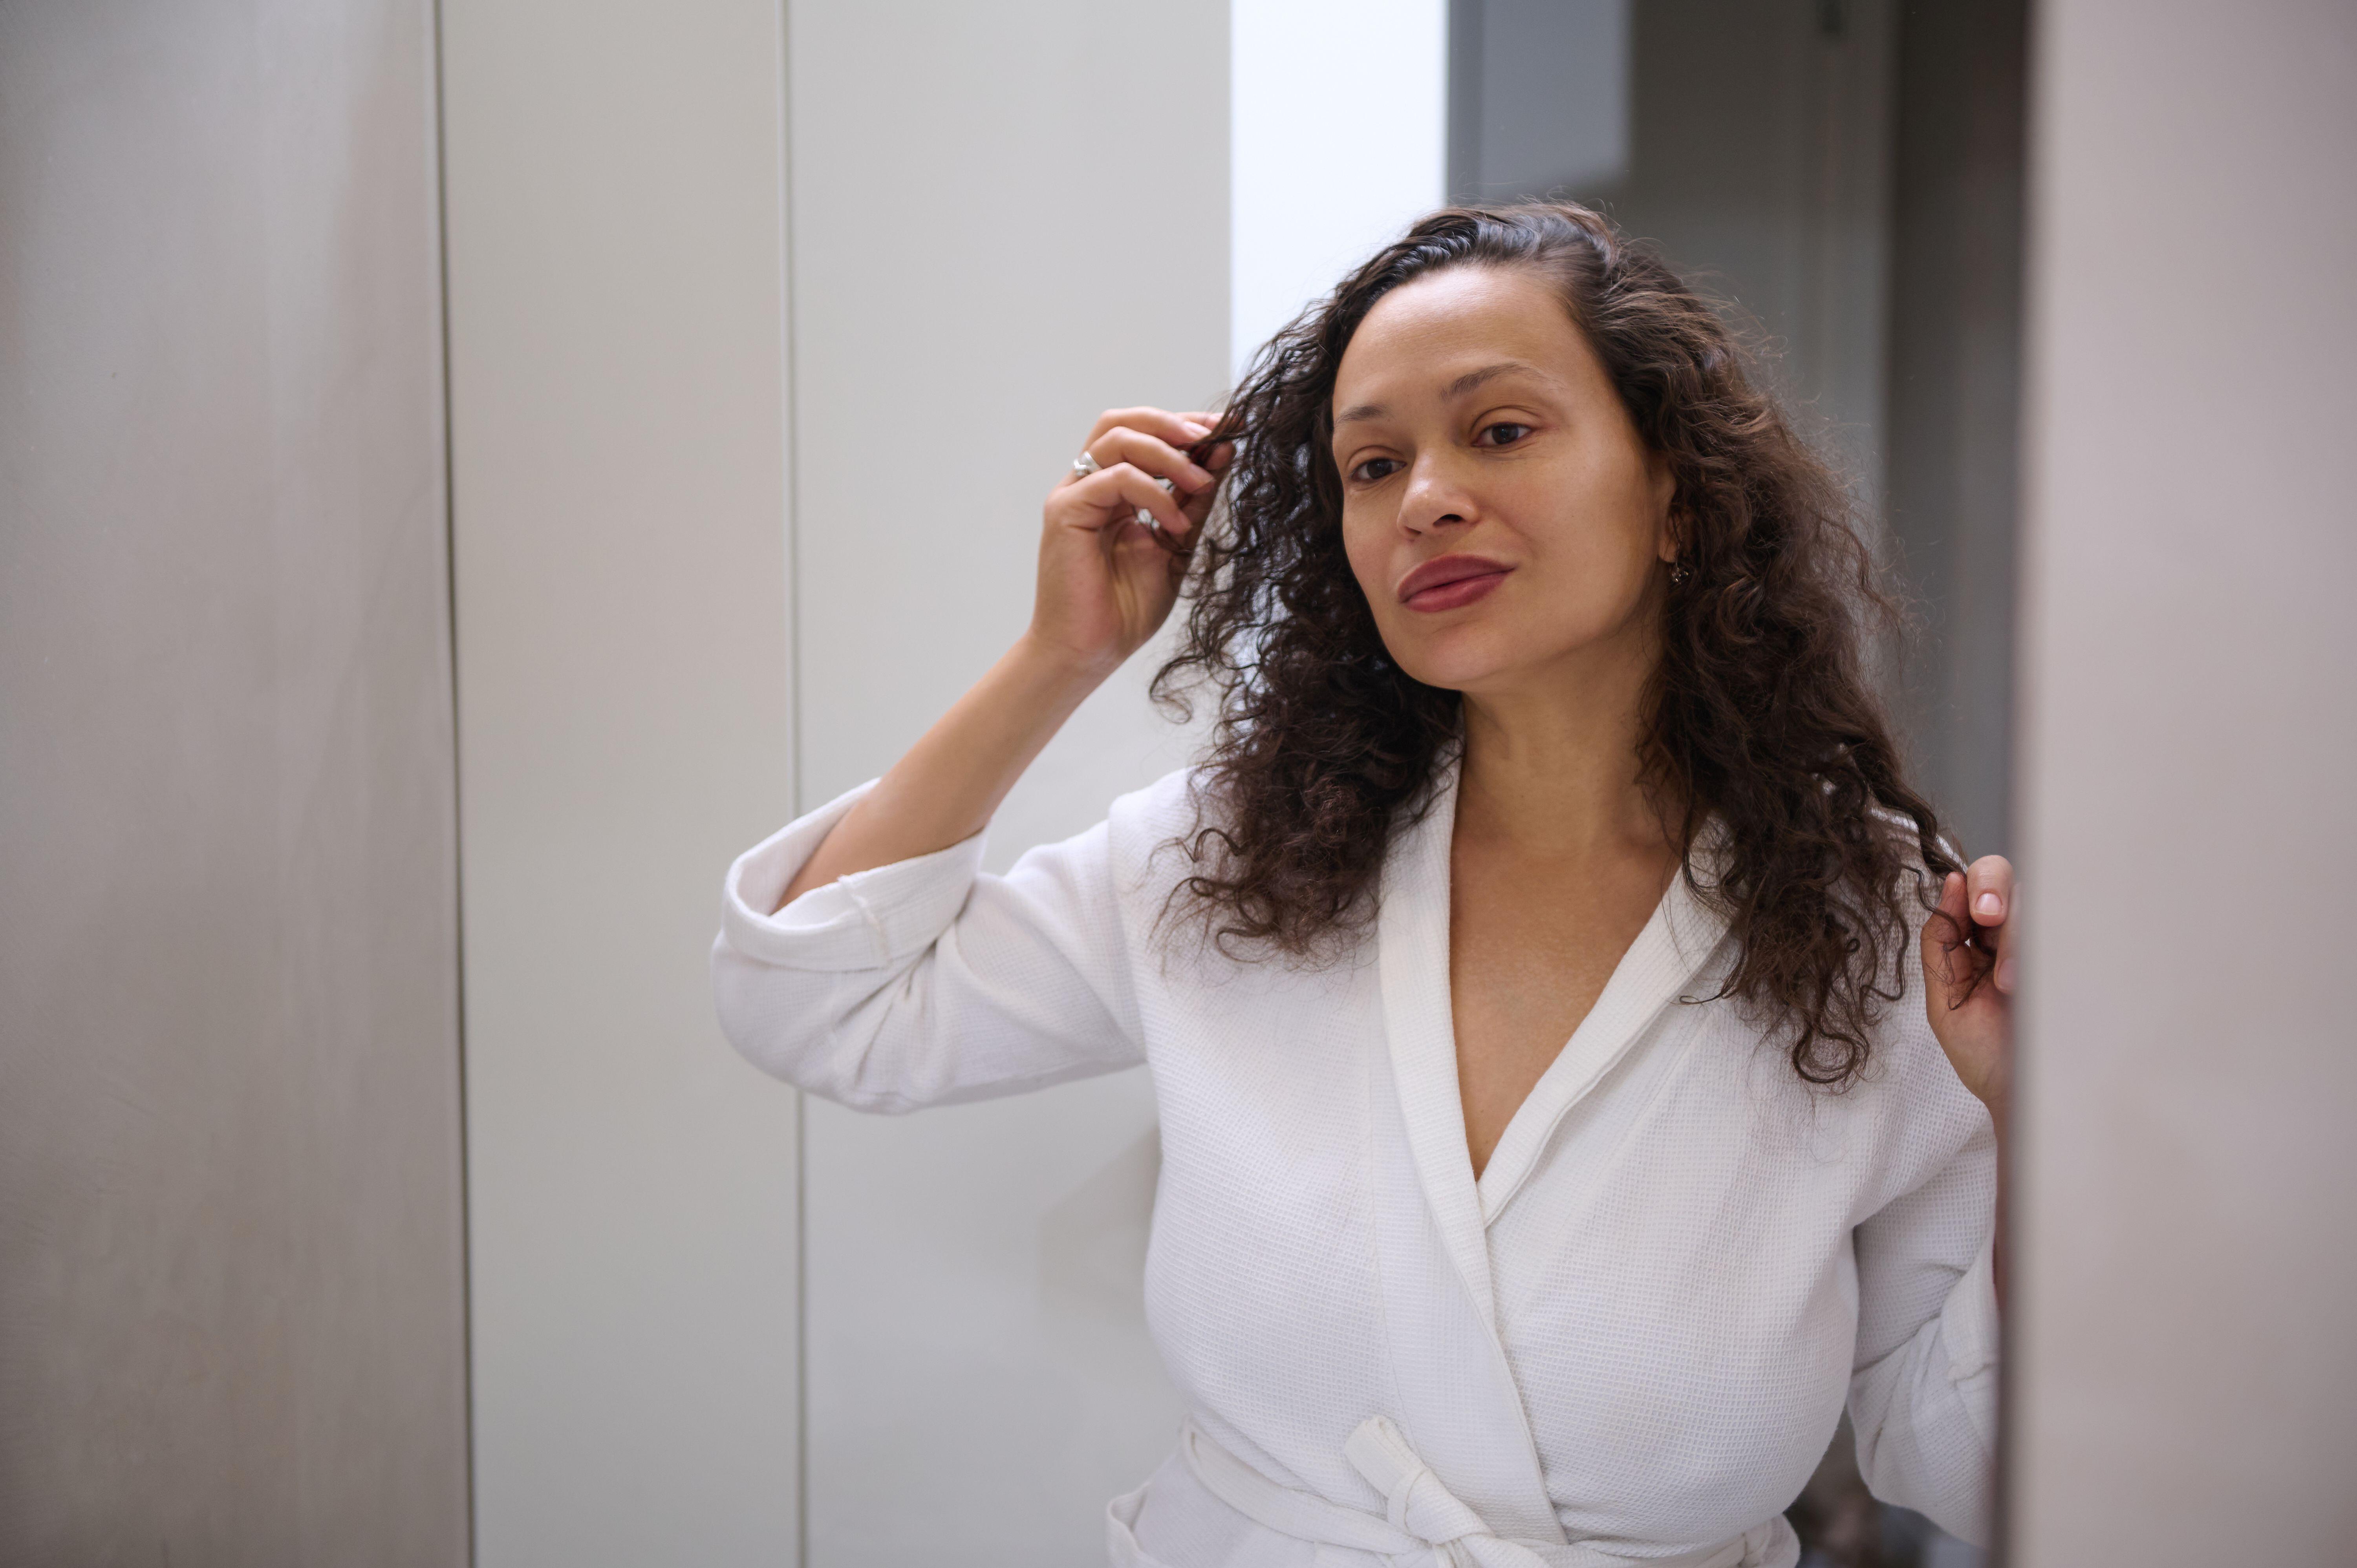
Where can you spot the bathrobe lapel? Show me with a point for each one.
(1413, 932)
(1460, 1402)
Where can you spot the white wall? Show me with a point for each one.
(617, 296)
(1005, 219)
(1337, 132)
(2184, 1378)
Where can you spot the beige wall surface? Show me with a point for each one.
(1006, 220)
(231, 1322)
(617, 382)
(2184, 1375)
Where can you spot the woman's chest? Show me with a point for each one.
(1289, 1131)
(1654, 1250)
(1532, 942)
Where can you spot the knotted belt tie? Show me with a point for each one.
(1424, 1524)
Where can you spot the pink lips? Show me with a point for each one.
(1450, 582)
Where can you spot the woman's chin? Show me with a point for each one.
(1461, 670)
(1495, 668)
(1469, 651)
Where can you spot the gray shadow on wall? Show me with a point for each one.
(1093, 1242)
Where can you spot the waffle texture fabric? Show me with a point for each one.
(1629, 1338)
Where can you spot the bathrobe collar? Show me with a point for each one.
(1412, 928)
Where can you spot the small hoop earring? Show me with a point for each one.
(1679, 573)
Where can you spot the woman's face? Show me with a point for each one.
(1500, 512)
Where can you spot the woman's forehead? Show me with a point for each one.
(1425, 339)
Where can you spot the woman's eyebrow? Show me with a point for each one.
(1453, 391)
(1471, 378)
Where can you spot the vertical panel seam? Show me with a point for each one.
(792, 598)
(457, 797)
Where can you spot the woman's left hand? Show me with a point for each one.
(1968, 973)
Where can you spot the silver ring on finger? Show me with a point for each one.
(1145, 517)
(1085, 465)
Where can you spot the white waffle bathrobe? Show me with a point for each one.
(1630, 1340)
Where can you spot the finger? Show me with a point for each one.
(1213, 422)
(2009, 936)
(1198, 506)
(1152, 454)
(1956, 920)
(1120, 533)
(1179, 429)
(1988, 882)
(1123, 491)
(1216, 460)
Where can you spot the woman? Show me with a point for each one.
(1556, 1128)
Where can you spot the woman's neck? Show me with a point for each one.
(1552, 764)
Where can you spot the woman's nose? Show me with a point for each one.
(1433, 499)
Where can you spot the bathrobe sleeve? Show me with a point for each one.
(926, 982)
(1923, 1393)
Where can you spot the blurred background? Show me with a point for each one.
(469, 469)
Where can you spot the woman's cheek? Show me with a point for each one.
(1362, 553)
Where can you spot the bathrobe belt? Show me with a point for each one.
(1423, 1522)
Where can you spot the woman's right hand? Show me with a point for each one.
(1107, 581)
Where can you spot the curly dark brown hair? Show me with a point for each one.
(1760, 713)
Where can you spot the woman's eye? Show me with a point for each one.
(1374, 468)
(1504, 433)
